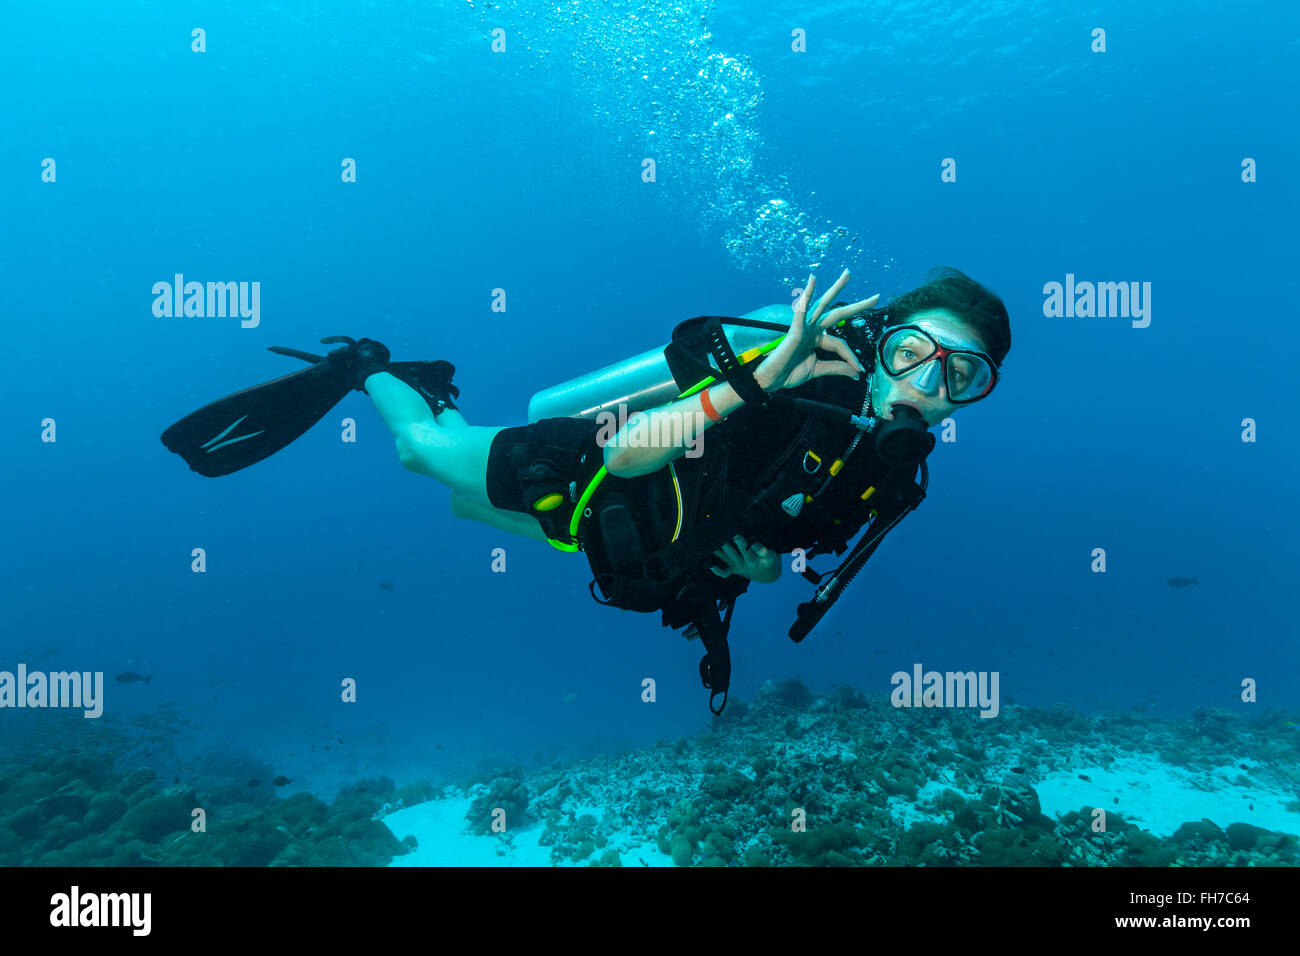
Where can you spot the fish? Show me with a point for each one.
(386, 585)
(1085, 778)
(1181, 582)
(281, 781)
(569, 696)
(254, 783)
(131, 677)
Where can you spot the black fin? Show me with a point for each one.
(430, 379)
(242, 429)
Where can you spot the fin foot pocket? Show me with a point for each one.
(431, 379)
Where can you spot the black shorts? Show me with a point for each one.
(569, 444)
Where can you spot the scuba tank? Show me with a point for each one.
(637, 383)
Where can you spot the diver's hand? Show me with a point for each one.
(757, 563)
(795, 361)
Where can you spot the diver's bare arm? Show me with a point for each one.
(627, 456)
(793, 362)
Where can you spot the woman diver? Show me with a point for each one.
(778, 464)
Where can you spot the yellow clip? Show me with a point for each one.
(750, 354)
(548, 503)
(868, 493)
(807, 498)
(835, 468)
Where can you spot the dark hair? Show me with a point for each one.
(953, 290)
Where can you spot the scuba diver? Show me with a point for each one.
(681, 479)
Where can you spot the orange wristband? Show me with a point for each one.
(709, 410)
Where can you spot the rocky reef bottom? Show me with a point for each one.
(795, 778)
(790, 778)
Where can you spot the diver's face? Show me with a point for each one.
(924, 388)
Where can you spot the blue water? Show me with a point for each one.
(522, 171)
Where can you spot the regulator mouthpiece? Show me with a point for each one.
(903, 440)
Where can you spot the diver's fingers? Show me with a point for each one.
(825, 301)
(833, 343)
(801, 304)
(849, 311)
(835, 368)
(748, 555)
(721, 573)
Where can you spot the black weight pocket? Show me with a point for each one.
(622, 535)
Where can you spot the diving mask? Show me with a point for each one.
(909, 349)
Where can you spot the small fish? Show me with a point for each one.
(254, 783)
(1181, 582)
(281, 781)
(569, 696)
(131, 677)
(386, 585)
(1085, 778)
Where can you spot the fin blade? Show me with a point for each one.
(241, 429)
